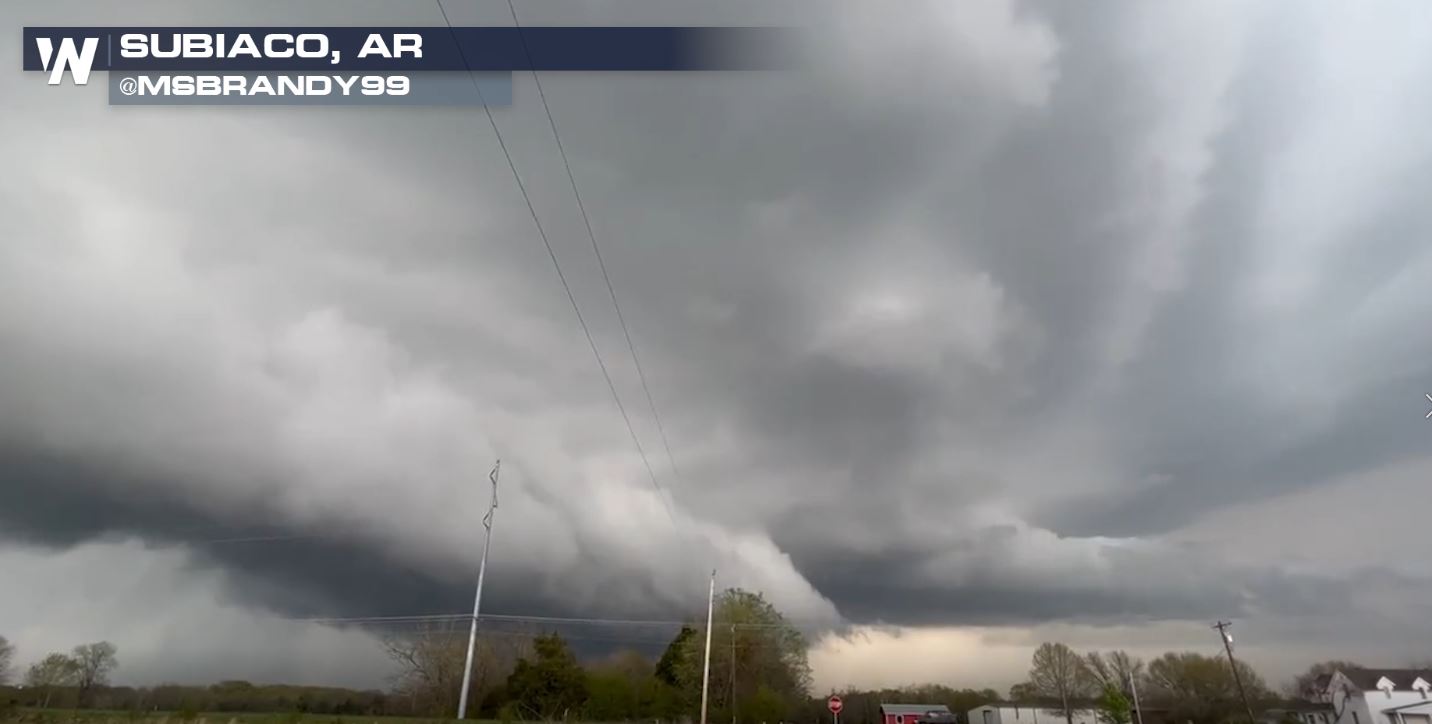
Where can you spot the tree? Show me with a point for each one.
(50, 672)
(1115, 667)
(430, 670)
(667, 666)
(1025, 692)
(611, 696)
(1201, 688)
(7, 657)
(766, 705)
(550, 684)
(624, 688)
(1310, 686)
(1060, 674)
(752, 645)
(430, 665)
(93, 664)
(1316, 685)
(1114, 706)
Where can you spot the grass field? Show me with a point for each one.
(99, 716)
(85, 716)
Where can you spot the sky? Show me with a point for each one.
(995, 323)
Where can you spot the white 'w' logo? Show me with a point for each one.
(77, 60)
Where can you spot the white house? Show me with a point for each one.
(1379, 696)
(1006, 712)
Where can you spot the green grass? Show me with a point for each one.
(92, 716)
(101, 716)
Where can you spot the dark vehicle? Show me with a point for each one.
(938, 717)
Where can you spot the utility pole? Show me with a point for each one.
(733, 673)
(706, 670)
(477, 598)
(1134, 687)
(1223, 627)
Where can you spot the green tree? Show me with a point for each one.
(1199, 688)
(552, 684)
(765, 705)
(1114, 706)
(660, 700)
(610, 697)
(50, 672)
(752, 645)
(1060, 675)
(621, 688)
(667, 667)
(7, 657)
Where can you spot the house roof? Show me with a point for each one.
(1409, 707)
(1078, 705)
(913, 708)
(1366, 679)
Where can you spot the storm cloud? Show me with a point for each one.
(988, 317)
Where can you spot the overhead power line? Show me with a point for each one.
(596, 248)
(511, 618)
(532, 210)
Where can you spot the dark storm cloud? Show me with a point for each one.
(891, 310)
(296, 572)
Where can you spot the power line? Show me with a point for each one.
(591, 342)
(596, 249)
(515, 618)
(623, 622)
(257, 539)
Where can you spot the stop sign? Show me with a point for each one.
(834, 704)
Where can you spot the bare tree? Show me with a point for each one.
(7, 657)
(93, 664)
(431, 659)
(1059, 673)
(1115, 668)
(1311, 685)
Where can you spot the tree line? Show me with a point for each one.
(1175, 687)
(759, 674)
(81, 672)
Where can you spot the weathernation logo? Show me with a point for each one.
(78, 58)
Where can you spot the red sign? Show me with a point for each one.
(834, 704)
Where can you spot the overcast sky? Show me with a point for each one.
(999, 322)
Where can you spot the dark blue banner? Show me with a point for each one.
(408, 49)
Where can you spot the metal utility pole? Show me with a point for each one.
(477, 598)
(706, 670)
(1223, 627)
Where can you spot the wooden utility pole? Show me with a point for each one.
(1223, 627)
(733, 673)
